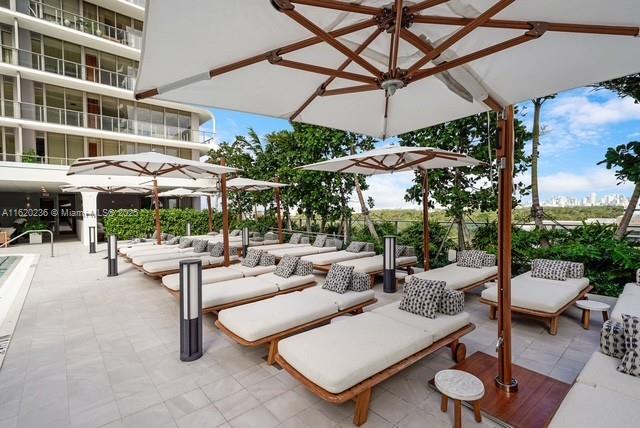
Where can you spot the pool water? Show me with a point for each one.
(6, 265)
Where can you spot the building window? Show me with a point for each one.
(110, 148)
(143, 148)
(172, 151)
(185, 153)
(56, 149)
(127, 148)
(75, 148)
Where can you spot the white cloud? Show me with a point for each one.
(387, 191)
(595, 179)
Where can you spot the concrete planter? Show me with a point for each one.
(35, 238)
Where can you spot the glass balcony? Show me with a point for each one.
(129, 37)
(136, 2)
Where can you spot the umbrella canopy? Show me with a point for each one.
(399, 159)
(106, 189)
(346, 65)
(181, 192)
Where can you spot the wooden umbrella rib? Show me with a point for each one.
(339, 5)
(425, 5)
(348, 90)
(395, 40)
(416, 41)
(326, 71)
(460, 34)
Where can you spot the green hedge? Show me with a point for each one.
(128, 224)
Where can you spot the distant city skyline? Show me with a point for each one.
(592, 199)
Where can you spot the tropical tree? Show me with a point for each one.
(625, 159)
(628, 86)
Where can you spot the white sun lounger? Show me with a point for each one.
(324, 261)
(301, 251)
(268, 247)
(458, 277)
(538, 297)
(268, 321)
(150, 244)
(374, 265)
(165, 267)
(178, 253)
(344, 361)
(210, 276)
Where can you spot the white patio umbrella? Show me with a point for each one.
(347, 65)
(106, 189)
(154, 165)
(398, 159)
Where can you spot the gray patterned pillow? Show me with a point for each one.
(173, 241)
(217, 249)
(612, 339)
(355, 247)
(451, 302)
(235, 232)
(489, 260)
(252, 258)
(185, 242)
(233, 251)
(400, 249)
(575, 270)
(360, 281)
(409, 251)
(471, 258)
(199, 245)
(270, 236)
(304, 268)
(330, 242)
(630, 363)
(369, 247)
(338, 278)
(320, 240)
(422, 297)
(286, 266)
(304, 240)
(638, 277)
(154, 235)
(549, 269)
(295, 238)
(267, 259)
(169, 237)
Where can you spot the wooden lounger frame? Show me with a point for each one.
(361, 393)
(218, 308)
(272, 341)
(551, 318)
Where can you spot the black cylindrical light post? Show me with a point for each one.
(92, 239)
(190, 309)
(188, 229)
(112, 255)
(389, 258)
(245, 241)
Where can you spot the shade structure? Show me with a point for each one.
(347, 65)
(335, 63)
(154, 165)
(181, 192)
(106, 189)
(399, 159)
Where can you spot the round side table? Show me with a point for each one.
(459, 386)
(591, 305)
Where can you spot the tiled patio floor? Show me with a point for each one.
(93, 351)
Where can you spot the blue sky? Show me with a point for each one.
(578, 127)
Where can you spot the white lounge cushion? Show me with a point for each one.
(628, 303)
(631, 288)
(304, 251)
(340, 355)
(125, 248)
(234, 290)
(257, 320)
(287, 283)
(587, 406)
(455, 276)
(209, 276)
(344, 301)
(375, 263)
(174, 264)
(539, 294)
(253, 271)
(601, 371)
(440, 326)
(336, 257)
(140, 260)
(277, 246)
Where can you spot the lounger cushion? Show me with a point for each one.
(422, 297)
(287, 283)
(169, 265)
(338, 278)
(360, 282)
(254, 271)
(628, 303)
(340, 355)
(440, 326)
(286, 266)
(376, 263)
(257, 320)
(252, 257)
(539, 294)
(549, 269)
(588, 406)
(336, 257)
(344, 300)
(209, 276)
(600, 371)
(162, 256)
(471, 258)
(451, 302)
(455, 276)
(303, 268)
(612, 339)
(235, 290)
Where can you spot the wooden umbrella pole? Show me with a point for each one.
(425, 220)
(279, 214)
(225, 215)
(156, 201)
(210, 213)
(505, 153)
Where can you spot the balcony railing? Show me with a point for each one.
(136, 2)
(129, 36)
(66, 68)
(60, 116)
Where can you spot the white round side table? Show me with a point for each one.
(459, 386)
(591, 305)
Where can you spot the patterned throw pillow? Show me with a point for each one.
(304, 240)
(360, 281)
(267, 259)
(320, 240)
(550, 269)
(471, 258)
(199, 245)
(253, 257)
(612, 339)
(409, 251)
(330, 242)
(164, 236)
(422, 297)
(185, 242)
(489, 260)
(217, 249)
(575, 270)
(631, 331)
(338, 278)
(355, 247)
(287, 266)
(270, 236)
(451, 302)
(235, 232)
(369, 247)
(638, 277)
(630, 363)
(169, 237)
(233, 251)
(303, 268)
(400, 249)
(173, 241)
(295, 238)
